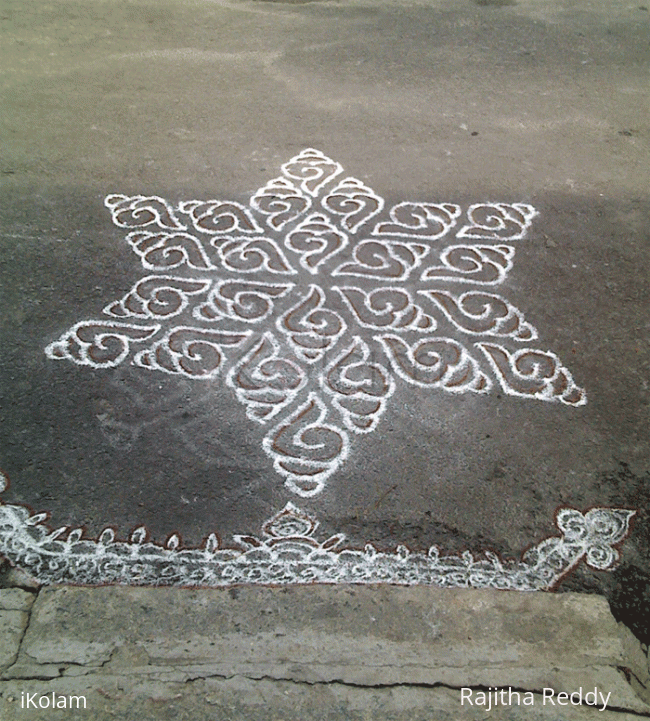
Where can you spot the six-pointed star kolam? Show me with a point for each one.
(315, 303)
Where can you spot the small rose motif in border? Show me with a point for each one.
(289, 551)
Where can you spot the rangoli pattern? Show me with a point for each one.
(314, 302)
(288, 551)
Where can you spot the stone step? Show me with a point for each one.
(317, 652)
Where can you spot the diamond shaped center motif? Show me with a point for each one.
(315, 303)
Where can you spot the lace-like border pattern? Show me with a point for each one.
(288, 552)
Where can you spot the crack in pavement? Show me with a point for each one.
(419, 685)
(28, 611)
(312, 683)
(183, 676)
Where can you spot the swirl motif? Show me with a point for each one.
(359, 388)
(312, 170)
(157, 296)
(386, 308)
(99, 343)
(219, 217)
(264, 381)
(480, 264)
(498, 221)
(241, 300)
(307, 450)
(424, 221)
(381, 259)
(439, 362)
(250, 255)
(592, 536)
(298, 225)
(533, 373)
(281, 202)
(137, 211)
(355, 202)
(290, 522)
(310, 326)
(482, 313)
(315, 240)
(192, 352)
(596, 532)
(288, 551)
(164, 251)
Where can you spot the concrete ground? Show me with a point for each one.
(534, 104)
(321, 652)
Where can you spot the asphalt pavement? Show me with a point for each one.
(327, 293)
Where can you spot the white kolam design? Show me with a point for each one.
(314, 302)
(290, 551)
(358, 386)
(192, 352)
(139, 211)
(423, 221)
(219, 218)
(498, 221)
(99, 343)
(157, 296)
(315, 241)
(385, 260)
(440, 362)
(355, 202)
(281, 202)
(387, 307)
(240, 300)
(482, 313)
(306, 449)
(166, 251)
(480, 264)
(264, 381)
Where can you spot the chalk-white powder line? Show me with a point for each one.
(361, 392)
(239, 304)
(458, 374)
(394, 259)
(152, 296)
(190, 351)
(306, 476)
(369, 307)
(540, 371)
(273, 382)
(315, 241)
(473, 264)
(99, 343)
(303, 219)
(501, 221)
(311, 170)
(288, 552)
(281, 202)
(420, 221)
(355, 202)
(310, 327)
(499, 317)
(220, 217)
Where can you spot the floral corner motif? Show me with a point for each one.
(288, 551)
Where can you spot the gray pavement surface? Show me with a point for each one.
(324, 652)
(543, 104)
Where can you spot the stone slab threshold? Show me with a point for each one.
(315, 652)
